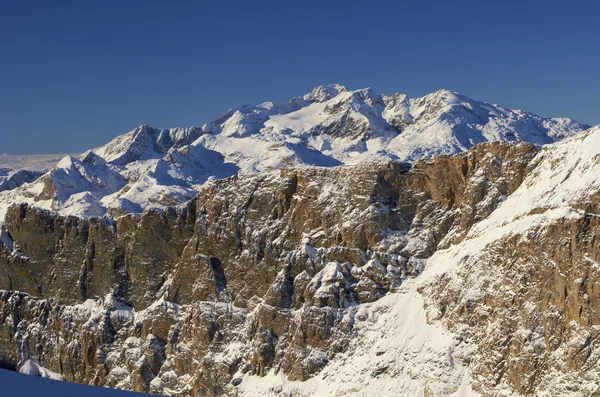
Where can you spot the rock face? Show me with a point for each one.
(532, 274)
(268, 273)
(534, 315)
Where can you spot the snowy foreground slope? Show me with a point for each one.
(18, 385)
(330, 126)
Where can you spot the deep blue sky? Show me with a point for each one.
(74, 74)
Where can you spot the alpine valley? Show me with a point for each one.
(344, 243)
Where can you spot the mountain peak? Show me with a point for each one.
(66, 162)
(324, 93)
(449, 97)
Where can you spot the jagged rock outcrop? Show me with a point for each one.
(258, 272)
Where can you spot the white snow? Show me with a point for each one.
(18, 385)
(32, 368)
(300, 121)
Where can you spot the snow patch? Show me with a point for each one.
(30, 367)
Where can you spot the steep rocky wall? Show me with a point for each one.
(531, 309)
(71, 259)
(257, 272)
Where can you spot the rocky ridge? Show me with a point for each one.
(10, 179)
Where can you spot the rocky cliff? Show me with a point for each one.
(279, 274)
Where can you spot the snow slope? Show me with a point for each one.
(13, 179)
(565, 175)
(19, 385)
(153, 168)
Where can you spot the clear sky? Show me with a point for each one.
(74, 74)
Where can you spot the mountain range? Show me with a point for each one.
(330, 126)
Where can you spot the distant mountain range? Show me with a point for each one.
(153, 168)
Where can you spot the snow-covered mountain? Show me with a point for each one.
(153, 168)
(350, 126)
